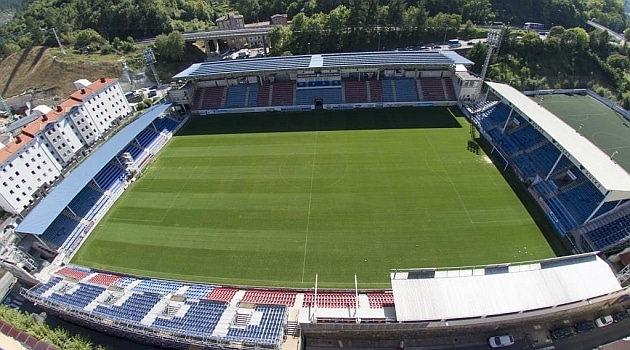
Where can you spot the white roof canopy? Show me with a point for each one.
(605, 173)
(469, 292)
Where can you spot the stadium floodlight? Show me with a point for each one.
(4, 108)
(494, 42)
(149, 60)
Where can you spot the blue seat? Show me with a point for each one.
(329, 95)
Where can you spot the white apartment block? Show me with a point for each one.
(36, 156)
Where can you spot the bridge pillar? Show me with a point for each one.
(264, 40)
(206, 44)
(216, 45)
(211, 51)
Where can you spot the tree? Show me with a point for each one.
(396, 10)
(477, 11)
(556, 31)
(88, 37)
(249, 9)
(581, 37)
(280, 36)
(618, 61)
(170, 47)
(563, 11)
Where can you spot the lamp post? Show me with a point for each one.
(379, 41)
(309, 48)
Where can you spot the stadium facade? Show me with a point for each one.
(421, 302)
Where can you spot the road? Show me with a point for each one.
(614, 34)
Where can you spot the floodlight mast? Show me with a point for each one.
(494, 42)
(149, 60)
(5, 107)
(61, 49)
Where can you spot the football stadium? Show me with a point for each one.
(330, 200)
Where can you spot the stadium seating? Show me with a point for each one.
(388, 90)
(307, 96)
(252, 95)
(270, 297)
(545, 156)
(104, 279)
(450, 89)
(222, 294)
(136, 153)
(200, 319)
(432, 89)
(330, 300)
(133, 309)
(262, 97)
(583, 199)
(110, 178)
(84, 201)
(405, 90)
(605, 208)
(267, 332)
(282, 93)
(124, 282)
(157, 287)
(562, 214)
(165, 124)
(355, 91)
(380, 300)
(527, 136)
(197, 291)
(481, 106)
(43, 288)
(236, 96)
(79, 296)
(71, 272)
(211, 97)
(59, 230)
(610, 233)
(376, 91)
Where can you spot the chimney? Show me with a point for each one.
(18, 139)
(59, 108)
(102, 80)
(82, 91)
(44, 117)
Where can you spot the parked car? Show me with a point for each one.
(584, 326)
(619, 316)
(560, 333)
(501, 341)
(604, 321)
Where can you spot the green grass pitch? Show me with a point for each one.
(273, 199)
